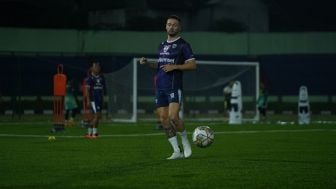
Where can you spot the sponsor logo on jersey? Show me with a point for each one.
(166, 48)
(167, 60)
(172, 95)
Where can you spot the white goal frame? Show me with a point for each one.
(204, 62)
(133, 112)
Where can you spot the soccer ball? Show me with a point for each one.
(203, 136)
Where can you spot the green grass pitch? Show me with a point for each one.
(134, 156)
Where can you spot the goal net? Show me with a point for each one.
(130, 90)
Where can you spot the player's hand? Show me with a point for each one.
(143, 60)
(168, 67)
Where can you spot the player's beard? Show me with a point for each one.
(172, 33)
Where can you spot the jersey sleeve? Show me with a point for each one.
(187, 52)
(89, 82)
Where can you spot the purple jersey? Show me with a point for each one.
(97, 87)
(175, 52)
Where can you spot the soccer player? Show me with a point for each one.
(175, 56)
(70, 103)
(262, 101)
(95, 86)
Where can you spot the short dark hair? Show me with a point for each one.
(91, 62)
(173, 16)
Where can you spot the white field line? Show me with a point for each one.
(159, 134)
(276, 131)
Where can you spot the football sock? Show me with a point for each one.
(184, 136)
(94, 130)
(89, 130)
(174, 144)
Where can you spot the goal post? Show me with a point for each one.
(130, 91)
(122, 93)
(206, 85)
(247, 72)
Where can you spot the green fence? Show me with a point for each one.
(125, 42)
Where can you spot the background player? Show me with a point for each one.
(262, 101)
(175, 56)
(95, 86)
(70, 103)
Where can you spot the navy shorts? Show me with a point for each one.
(96, 105)
(165, 97)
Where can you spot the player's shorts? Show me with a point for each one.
(165, 97)
(97, 106)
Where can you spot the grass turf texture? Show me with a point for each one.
(246, 156)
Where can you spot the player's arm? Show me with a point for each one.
(150, 63)
(189, 64)
(88, 97)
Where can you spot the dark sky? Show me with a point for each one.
(297, 15)
(284, 15)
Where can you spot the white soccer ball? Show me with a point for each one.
(203, 136)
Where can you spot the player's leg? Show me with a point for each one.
(162, 104)
(174, 118)
(177, 123)
(67, 112)
(97, 108)
(170, 132)
(72, 105)
(72, 117)
(90, 126)
(158, 122)
(87, 119)
(163, 115)
(95, 124)
(92, 119)
(262, 113)
(175, 102)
